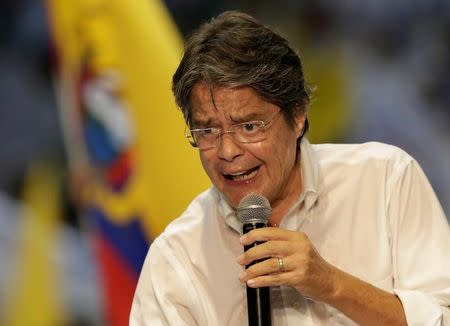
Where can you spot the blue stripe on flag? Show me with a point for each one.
(129, 240)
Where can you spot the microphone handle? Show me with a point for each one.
(258, 299)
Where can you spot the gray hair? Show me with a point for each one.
(235, 50)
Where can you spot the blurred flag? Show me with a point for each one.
(130, 164)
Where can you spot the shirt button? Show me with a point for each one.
(296, 305)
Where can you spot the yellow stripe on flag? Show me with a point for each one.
(35, 300)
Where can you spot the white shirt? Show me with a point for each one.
(368, 209)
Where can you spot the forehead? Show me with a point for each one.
(233, 103)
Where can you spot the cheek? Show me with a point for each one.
(282, 160)
(284, 154)
(207, 163)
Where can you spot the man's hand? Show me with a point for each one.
(304, 269)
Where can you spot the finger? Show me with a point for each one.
(265, 234)
(268, 266)
(270, 280)
(264, 250)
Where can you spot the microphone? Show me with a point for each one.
(254, 212)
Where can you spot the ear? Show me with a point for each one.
(299, 120)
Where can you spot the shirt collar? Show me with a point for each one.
(310, 180)
(309, 165)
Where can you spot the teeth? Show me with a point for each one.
(244, 176)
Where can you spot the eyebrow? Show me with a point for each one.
(249, 117)
(210, 122)
(199, 123)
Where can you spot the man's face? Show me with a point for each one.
(267, 167)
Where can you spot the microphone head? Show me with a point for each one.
(254, 208)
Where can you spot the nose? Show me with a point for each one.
(229, 148)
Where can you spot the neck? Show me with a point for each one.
(282, 206)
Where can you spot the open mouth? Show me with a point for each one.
(246, 175)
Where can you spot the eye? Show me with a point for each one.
(251, 127)
(207, 132)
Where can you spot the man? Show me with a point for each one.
(357, 234)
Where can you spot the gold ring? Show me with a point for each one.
(280, 264)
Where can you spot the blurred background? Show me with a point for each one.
(93, 163)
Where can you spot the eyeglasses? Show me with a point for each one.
(245, 132)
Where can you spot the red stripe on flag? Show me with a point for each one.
(118, 281)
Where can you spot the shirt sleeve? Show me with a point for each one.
(163, 293)
(421, 248)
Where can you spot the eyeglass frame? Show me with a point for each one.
(188, 132)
